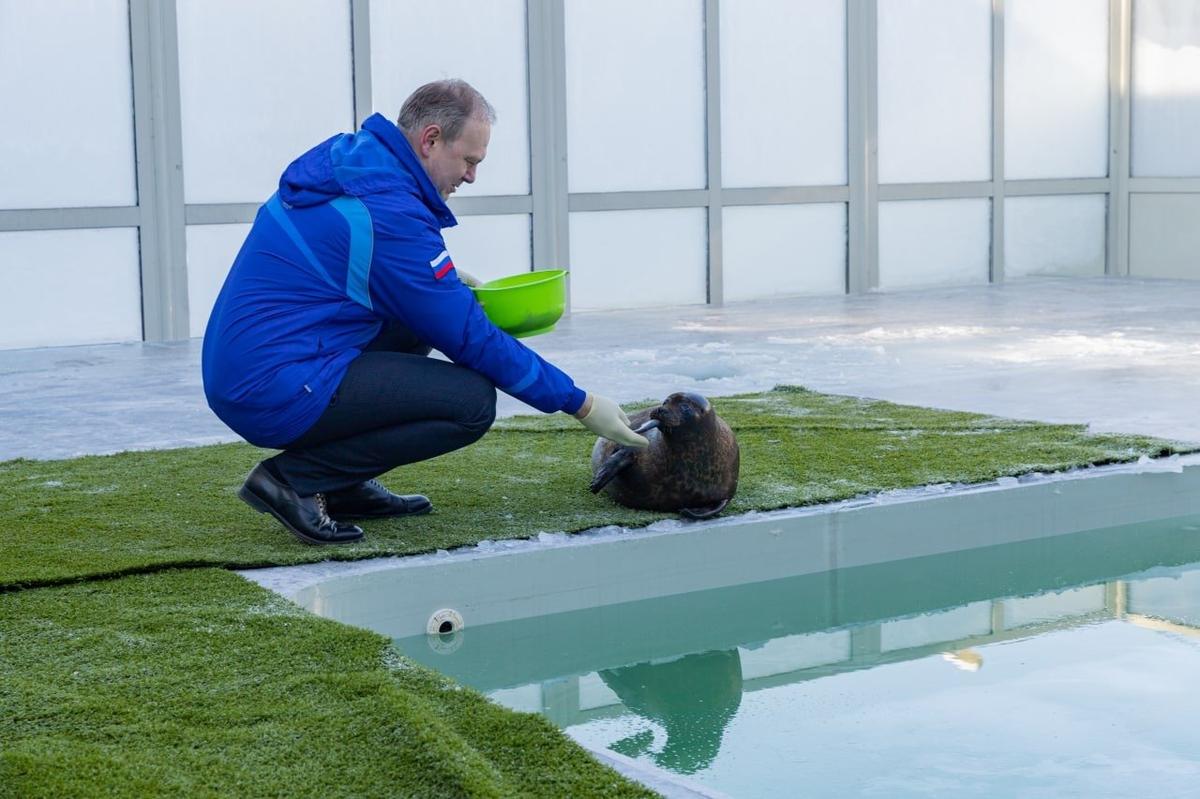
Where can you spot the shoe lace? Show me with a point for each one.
(322, 505)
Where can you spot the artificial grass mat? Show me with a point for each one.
(199, 683)
(138, 511)
(192, 681)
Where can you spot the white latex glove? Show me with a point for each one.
(467, 277)
(606, 419)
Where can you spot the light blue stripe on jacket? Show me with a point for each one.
(362, 246)
(275, 207)
(526, 381)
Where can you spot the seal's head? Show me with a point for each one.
(683, 409)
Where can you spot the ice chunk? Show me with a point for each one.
(1170, 465)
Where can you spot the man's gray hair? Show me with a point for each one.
(447, 104)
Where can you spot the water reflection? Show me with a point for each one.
(692, 697)
(667, 679)
(965, 659)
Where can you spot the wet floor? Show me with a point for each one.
(1118, 354)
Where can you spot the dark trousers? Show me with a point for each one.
(394, 406)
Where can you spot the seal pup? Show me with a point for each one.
(691, 465)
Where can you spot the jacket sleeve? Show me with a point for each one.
(412, 279)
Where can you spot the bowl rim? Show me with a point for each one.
(544, 276)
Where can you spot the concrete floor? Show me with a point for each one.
(1118, 354)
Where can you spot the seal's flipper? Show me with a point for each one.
(704, 513)
(611, 467)
(647, 426)
(620, 459)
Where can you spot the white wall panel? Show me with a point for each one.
(1055, 88)
(1023, 611)
(1164, 239)
(593, 693)
(933, 242)
(635, 95)
(628, 259)
(260, 84)
(935, 97)
(491, 246)
(936, 628)
(72, 287)
(523, 699)
(1175, 598)
(210, 252)
(482, 43)
(66, 130)
(1054, 235)
(1166, 88)
(783, 93)
(795, 652)
(776, 250)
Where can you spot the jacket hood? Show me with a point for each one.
(375, 159)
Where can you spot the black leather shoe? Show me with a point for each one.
(370, 500)
(305, 517)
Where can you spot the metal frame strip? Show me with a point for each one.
(786, 195)
(1163, 185)
(996, 262)
(220, 213)
(550, 224)
(936, 191)
(638, 200)
(712, 122)
(1120, 32)
(158, 139)
(360, 58)
(492, 204)
(862, 126)
(1040, 187)
(69, 218)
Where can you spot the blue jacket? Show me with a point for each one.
(352, 238)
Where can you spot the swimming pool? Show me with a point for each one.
(1035, 639)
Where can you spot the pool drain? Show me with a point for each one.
(444, 630)
(444, 622)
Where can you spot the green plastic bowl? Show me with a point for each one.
(526, 304)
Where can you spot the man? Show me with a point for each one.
(318, 340)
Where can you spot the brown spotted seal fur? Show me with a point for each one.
(690, 467)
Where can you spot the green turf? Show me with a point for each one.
(138, 511)
(193, 682)
(198, 683)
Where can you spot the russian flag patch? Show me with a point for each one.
(441, 265)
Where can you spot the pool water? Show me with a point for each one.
(1062, 666)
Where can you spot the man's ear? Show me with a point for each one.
(430, 135)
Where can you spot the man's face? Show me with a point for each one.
(452, 163)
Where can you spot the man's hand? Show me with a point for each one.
(467, 278)
(606, 419)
